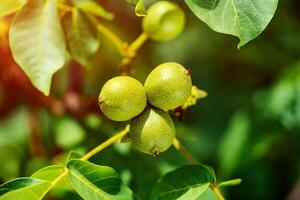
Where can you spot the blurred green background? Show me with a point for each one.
(248, 126)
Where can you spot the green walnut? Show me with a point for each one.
(122, 98)
(164, 21)
(152, 132)
(168, 86)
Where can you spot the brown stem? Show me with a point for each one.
(35, 139)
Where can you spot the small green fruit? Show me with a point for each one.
(168, 86)
(164, 21)
(152, 132)
(122, 98)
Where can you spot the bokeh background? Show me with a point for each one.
(248, 126)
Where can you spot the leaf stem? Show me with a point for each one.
(90, 154)
(188, 156)
(217, 192)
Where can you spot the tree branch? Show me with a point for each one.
(87, 156)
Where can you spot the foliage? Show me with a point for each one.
(247, 127)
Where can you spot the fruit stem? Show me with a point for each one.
(137, 43)
(87, 156)
(217, 192)
(188, 156)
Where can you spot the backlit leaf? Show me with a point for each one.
(37, 42)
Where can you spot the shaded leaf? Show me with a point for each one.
(245, 19)
(185, 183)
(11, 155)
(37, 42)
(16, 123)
(50, 173)
(97, 182)
(68, 133)
(10, 6)
(24, 189)
(234, 142)
(82, 37)
(281, 102)
(94, 8)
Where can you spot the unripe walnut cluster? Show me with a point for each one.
(151, 128)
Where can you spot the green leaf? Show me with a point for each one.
(16, 123)
(234, 143)
(93, 121)
(185, 183)
(281, 102)
(10, 6)
(245, 19)
(232, 182)
(50, 173)
(82, 36)
(12, 156)
(90, 6)
(97, 182)
(139, 7)
(68, 133)
(37, 42)
(23, 189)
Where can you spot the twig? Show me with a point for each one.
(87, 156)
(35, 139)
(105, 144)
(131, 51)
(217, 192)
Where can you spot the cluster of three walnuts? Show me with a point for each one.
(124, 98)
